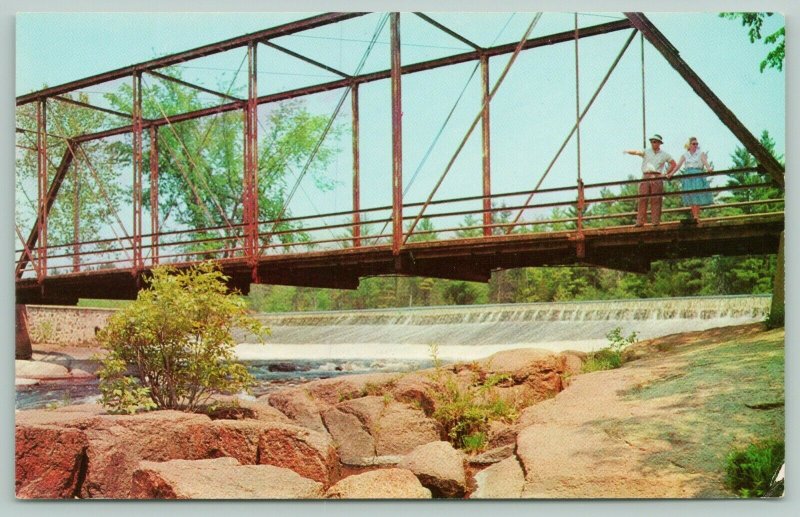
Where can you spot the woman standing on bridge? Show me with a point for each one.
(696, 164)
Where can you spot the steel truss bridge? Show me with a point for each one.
(335, 250)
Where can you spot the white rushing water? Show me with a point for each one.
(472, 332)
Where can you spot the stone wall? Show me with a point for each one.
(65, 325)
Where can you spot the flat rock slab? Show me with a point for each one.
(503, 480)
(220, 478)
(380, 484)
(40, 370)
(439, 467)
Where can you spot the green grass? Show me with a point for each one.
(103, 304)
(725, 397)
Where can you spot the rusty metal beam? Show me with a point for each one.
(448, 31)
(154, 224)
(750, 142)
(92, 106)
(42, 194)
(308, 60)
(356, 169)
(180, 57)
(542, 41)
(250, 195)
(76, 222)
(61, 173)
(194, 86)
(397, 137)
(138, 164)
(486, 155)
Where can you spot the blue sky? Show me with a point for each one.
(531, 114)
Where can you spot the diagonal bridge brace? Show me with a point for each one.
(52, 192)
(750, 142)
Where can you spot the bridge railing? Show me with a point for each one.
(575, 208)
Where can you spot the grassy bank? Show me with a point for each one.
(722, 391)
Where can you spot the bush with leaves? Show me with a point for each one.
(177, 336)
(610, 357)
(466, 412)
(751, 472)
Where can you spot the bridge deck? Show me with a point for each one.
(626, 248)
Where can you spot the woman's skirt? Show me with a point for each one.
(691, 180)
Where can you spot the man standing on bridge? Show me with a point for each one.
(654, 161)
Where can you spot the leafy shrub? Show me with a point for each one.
(465, 412)
(474, 442)
(177, 337)
(751, 472)
(610, 357)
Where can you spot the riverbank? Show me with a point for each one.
(659, 427)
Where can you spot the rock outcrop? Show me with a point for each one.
(377, 426)
(439, 467)
(74, 452)
(221, 478)
(380, 484)
(302, 434)
(503, 480)
(310, 454)
(49, 461)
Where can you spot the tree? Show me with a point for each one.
(742, 182)
(201, 161)
(177, 336)
(755, 22)
(92, 187)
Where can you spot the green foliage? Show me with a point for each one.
(755, 22)
(177, 337)
(121, 393)
(465, 411)
(93, 177)
(610, 357)
(751, 472)
(475, 442)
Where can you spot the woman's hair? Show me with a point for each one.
(688, 144)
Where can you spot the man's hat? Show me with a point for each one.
(657, 138)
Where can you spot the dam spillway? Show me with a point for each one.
(471, 332)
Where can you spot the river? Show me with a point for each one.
(313, 345)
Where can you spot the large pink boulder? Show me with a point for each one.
(118, 443)
(309, 453)
(48, 461)
(50, 451)
(221, 478)
(439, 467)
(380, 484)
(380, 425)
(299, 406)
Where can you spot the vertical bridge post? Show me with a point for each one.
(487, 182)
(41, 169)
(154, 230)
(137, 173)
(356, 169)
(250, 202)
(397, 138)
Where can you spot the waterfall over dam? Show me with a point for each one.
(471, 332)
